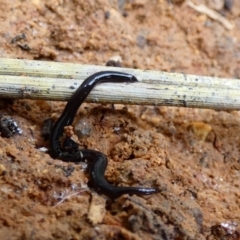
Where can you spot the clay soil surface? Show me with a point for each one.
(192, 155)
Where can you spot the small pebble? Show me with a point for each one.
(2, 170)
(216, 5)
(228, 4)
(201, 130)
(42, 149)
(107, 14)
